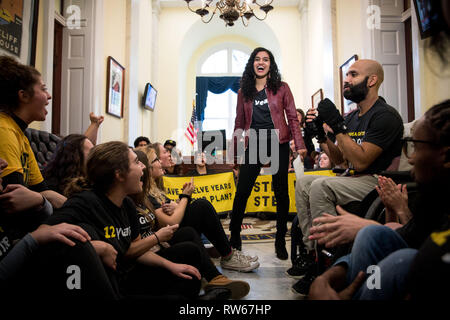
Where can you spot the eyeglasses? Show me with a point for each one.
(156, 159)
(409, 145)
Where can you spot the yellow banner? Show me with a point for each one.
(219, 189)
(262, 198)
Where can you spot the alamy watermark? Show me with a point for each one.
(73, 281)
(374, 280)
(374, 19)
(73, 20)
(245, 147)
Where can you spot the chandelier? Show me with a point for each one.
(232, 10)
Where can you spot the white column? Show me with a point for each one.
(98, 71)
(328, 50)
(132, 128)
(156, 10)
(47, 60)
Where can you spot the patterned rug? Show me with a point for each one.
(256, 230)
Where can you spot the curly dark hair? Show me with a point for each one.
(438, 119)
(67, 163)
(15, 76)
(248, 80)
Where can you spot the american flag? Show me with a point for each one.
(191, 133)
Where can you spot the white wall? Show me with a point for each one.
(317, 50)
(182, 41)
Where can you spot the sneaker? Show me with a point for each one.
(238, 262)
(302, 286)
(249, 257)
(238, 288)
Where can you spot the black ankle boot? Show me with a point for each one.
(280, 247)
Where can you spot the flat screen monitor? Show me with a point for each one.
(429, 17)
(149, 98)
(214, 140)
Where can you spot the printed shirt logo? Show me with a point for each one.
(24, 157)
(113, 232)
(261, 102)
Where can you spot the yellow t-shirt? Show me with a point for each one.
(16, 150)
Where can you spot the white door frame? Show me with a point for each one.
(95, 71)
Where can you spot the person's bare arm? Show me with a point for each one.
(330, 285)
(178, 214)
(332, 230)
(184, 271)
(361, 156)
(57, 200)
(139, 246)
(395, 199)
(92, 131)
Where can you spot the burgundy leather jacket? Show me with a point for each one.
(279, 104)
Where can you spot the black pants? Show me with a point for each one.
(247, 177)
(202, 217)
(48, 274)
(187, 234)
(143, 280)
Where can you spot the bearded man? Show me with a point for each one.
(367, 141)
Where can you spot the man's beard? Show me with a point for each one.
(357, 92)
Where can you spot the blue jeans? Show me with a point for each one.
(384, 248)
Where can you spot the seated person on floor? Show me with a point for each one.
(367, 141)
(68, 162)
(198, 214)
(111, 220)
(163, 155)
(169, 241)
(393, 251)
(15, 257)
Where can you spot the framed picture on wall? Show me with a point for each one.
(115, 88)
(18, 29)
(346, 105)
(316, 98)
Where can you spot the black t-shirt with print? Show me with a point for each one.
(429, 275)
(261, 118)
(102, 220)
(155, 202)
(5, 240)
(382, 126)
(147, 221)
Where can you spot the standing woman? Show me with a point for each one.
(263, 104)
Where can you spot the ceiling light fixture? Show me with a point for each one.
(232, 10)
